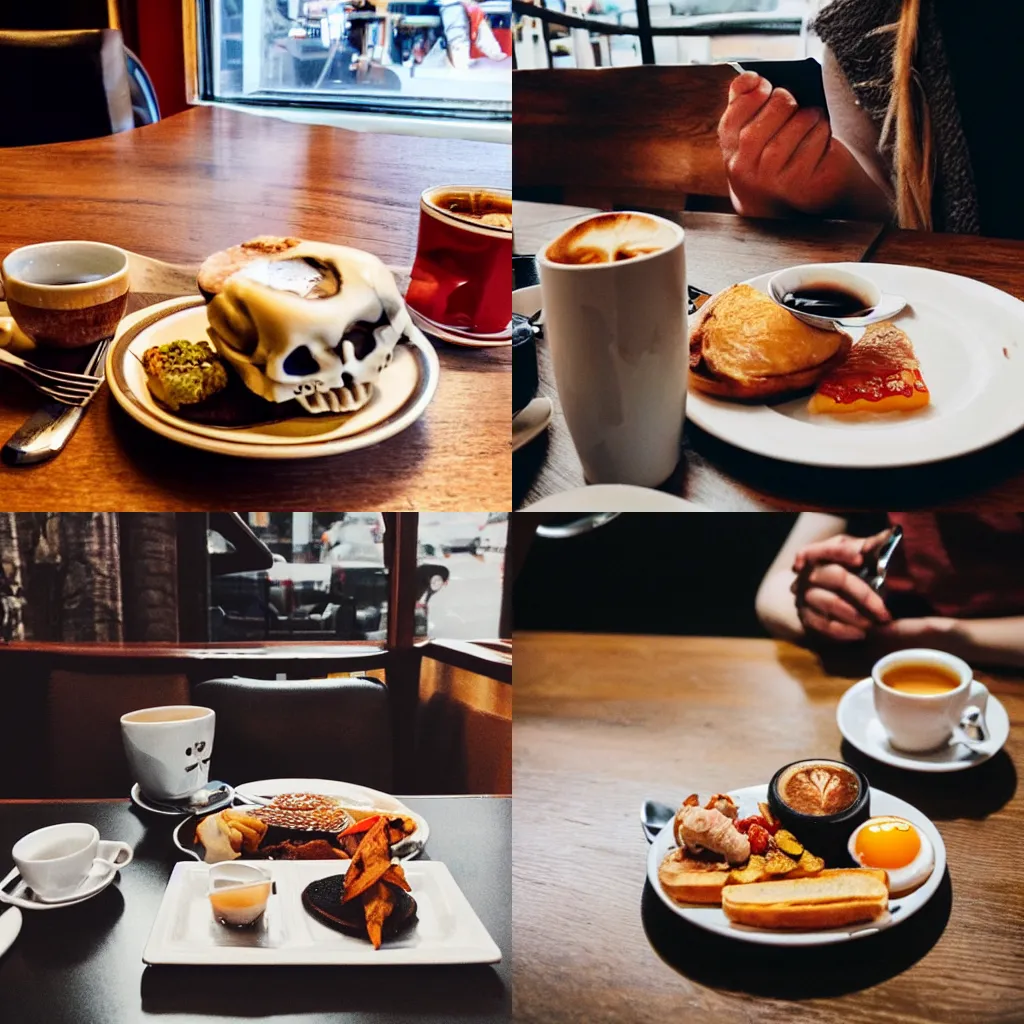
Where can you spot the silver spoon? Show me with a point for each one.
(654, 816)
(972, 725)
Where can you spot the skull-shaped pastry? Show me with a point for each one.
(314, 322)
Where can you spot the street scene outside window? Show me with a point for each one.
(441, 55)
(717, 30)
(329, 579)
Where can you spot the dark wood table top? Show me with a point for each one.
(723, 249)
(209, 178)
(84, 963)
(603, 722)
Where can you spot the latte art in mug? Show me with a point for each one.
(610, 238)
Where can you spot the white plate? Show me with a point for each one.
(713, 917)
(526, 301)
(501, 340)
(402, 394)
(96, 881)
(139, 799)
(968, 337)
(855, 716)
(447, 931)
(613, 498)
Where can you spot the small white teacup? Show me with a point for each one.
(56, 860)
(920, 696)
(169, 749)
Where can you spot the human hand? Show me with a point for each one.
(832, 602)
(779, 155)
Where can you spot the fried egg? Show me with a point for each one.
(897, 846)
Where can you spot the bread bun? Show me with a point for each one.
(830, 899)
(743, 346)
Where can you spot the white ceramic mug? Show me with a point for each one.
(56, 860)
(169, 749)
(916, 722)
(618, 340)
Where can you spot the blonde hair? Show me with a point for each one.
(908, 125)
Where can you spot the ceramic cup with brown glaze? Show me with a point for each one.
(66, 294)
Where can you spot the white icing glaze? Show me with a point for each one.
(256, 328)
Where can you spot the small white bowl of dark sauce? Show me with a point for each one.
(822, 295)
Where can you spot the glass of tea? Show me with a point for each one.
(920, 697)
(461, 279)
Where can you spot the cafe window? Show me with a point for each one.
(447, 58)
(461, 559)
(703, 32)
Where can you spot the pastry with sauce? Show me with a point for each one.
(881, 374)
(744, 346)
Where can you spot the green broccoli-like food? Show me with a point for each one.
(183, 373)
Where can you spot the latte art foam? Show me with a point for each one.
(610, 238)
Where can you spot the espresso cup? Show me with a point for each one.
(614, 295)
(462, 272)
(66, 294)
(169, 749)
(921, 722)
(56, 860)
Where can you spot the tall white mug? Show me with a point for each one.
(169, 749)
(614, 295)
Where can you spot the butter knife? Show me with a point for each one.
(45, 433)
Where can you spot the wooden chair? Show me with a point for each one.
(641, 136)
(63, 86)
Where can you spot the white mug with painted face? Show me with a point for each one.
(169, 749)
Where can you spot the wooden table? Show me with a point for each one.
(209, 178)
(602, 722)
(723, 249)
(84, 963)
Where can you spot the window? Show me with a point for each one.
(440, 57)
(327, 580)
(461, 558)
(710, 31)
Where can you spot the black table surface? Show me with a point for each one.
(83, 964)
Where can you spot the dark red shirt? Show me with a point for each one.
(963, 565)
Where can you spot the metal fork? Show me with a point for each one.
(61, 385)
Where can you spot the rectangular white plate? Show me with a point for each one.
(447, 930)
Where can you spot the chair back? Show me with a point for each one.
(640, 136)
(53, 15)
(145, 105)
(68, 85)
(310, 728)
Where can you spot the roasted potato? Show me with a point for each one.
(766, 813)
(788, 843)
(777, 863)
(809, 864)
(753, 872)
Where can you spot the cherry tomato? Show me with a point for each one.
(759, 838)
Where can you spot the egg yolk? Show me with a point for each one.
(887, 843)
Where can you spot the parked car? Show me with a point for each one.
(342, 599)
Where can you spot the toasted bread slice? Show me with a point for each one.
(689, 880)
(833, 898)
(881, 374)
(746, 347)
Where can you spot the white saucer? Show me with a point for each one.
(179, 810)
(499, 340)
(96, 881)
(858, 724)
(613, 498)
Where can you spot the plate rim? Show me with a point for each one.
(778, 937)
(904, 762)
(701, 404)
(488, 950)
(409, 413)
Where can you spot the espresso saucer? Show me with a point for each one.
(219, 795)
(499, 340)
(859, 725)
(96, 881)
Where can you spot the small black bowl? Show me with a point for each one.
(825, 836)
